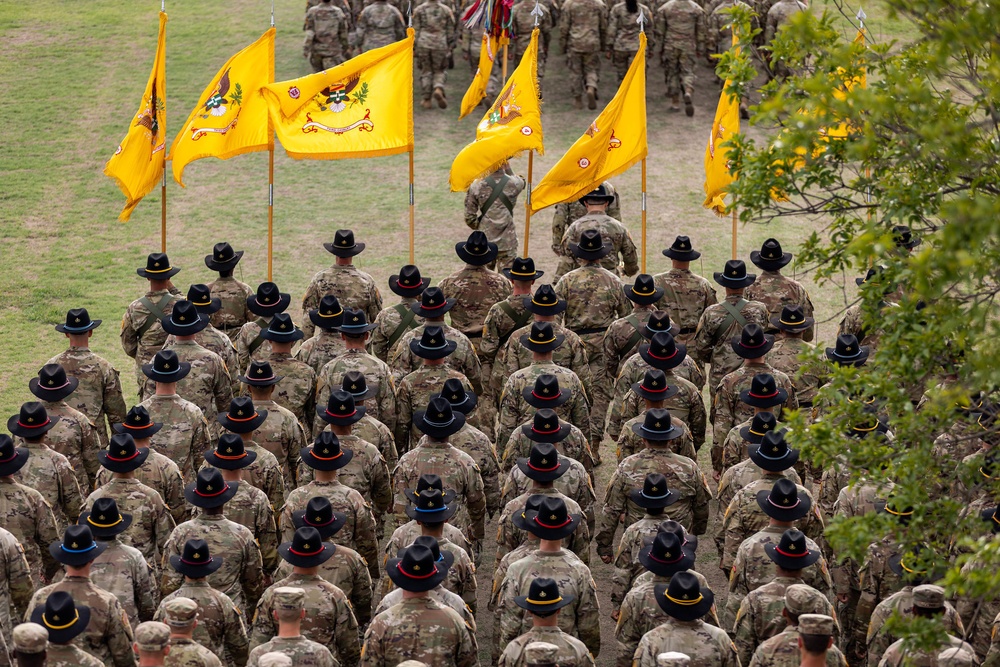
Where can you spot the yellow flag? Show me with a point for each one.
(511, 126)
(361, 108)
(231, 117)
(725, 125)
(137, 165)
(477, 89)
(615, 141)
(861, 81)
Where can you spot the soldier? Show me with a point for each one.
(686, 295)
(141, 334)
(326, 343)
(565, 214)
(868, 333)
(779, 14)
(815, 639)
(524, 21)
(474, 288)
(265, 303)
(622, 259)
(355, 361)
(289, 612)
(686, 601)
(63, 638)
(232, 293)
(16, 588)
(369, 428)
(181, 616)
(242, 574)
(622, 338)
(655, 393)
(108, 633)
(507, 316)
(766, 451)
(489, 206)
(329, 619)
(738, 401)
(583, 27)
(211, 338)
(782, 650)
(679, 30)
(186, 434)
(244, 418)
(928, 603)
(280, 433)
(296, 389)
(379, 24)
(418, 627)
(434, 24)
(326, 42)
(353, 287)
(394, 321)
(568, 439)
(543, 602)
(25, 513)
(775, 290)
(623, 33)
(789, 346)
(220, 623)
(30, 645)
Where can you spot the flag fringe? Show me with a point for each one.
(225, 156)
(382, 152)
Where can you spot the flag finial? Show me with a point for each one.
(861, 16)
(641, 21)
(537, 13)
(409, 14)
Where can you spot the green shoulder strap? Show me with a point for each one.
(497, 193)
(258, 339)
(636, 335)
(733, 315)
(155, 312)
(519, 321)
(408, 322)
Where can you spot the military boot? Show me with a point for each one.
(439, 98)
(688, 102)
(578, 102)
(591, 97)
(426, 104)
(675, 103)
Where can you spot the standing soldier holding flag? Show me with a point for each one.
(489, 206)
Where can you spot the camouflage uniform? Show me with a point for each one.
(143, 350)
(329, 620)
(326, 42)
(583, 27)
(186, 652)
(897, 656)
(475, 289)
(419, 629)
(122, 571)
(510, 538)
(29, 519)
(208, 385)
(477, 445)
(461, 579)
(68, 655)
(348, 571)
(322, 348)
(264, 473)
(626, 557)
(51, 474)
(624, 336)
(249, 336)
(389, 320)
(498, 329)
(679, 29)
(575, 446)
(379, 24)
(854, 323)
(497, 223)
(784, 356)
(777, 291)
(759, 616)
(901, 602)
(441, 595)
(524, 23)
(302, 651)
(782, 650)
(514, 410)
(877, 582)
(711, 345)
(574, 483)
(354, 288)
(623, 35)
(414, 393)
(719, 23)
(402, 360)
(629, 442)
(251, 509)
(184, 436)
(779, 14)
(220, 623)
(282, 435)
(151, 520)
(98, 396)
(234, 312)
(407, 534)
(703, 643)
(856, 500)
(572, 652)
(296, 391)
(565, 214)
(214, 340)
(16, 587)
(513, 356)
(686, 295)
(434, 24)
(75, 437)
(108, 636)
(687, 405)
(366, 473)
(742, 474)
(377, 433)
(623, 260)
(163, 476)
(377, 374)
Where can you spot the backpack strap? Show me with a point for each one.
(733, 315)
(636, 335)
(495, 194)
(408, 322)
(519, 321)
(258, 339)
(155, 312)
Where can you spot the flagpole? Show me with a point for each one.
(163, 176)
(527, 204)
(644, 215)
(270, 193)
(505, 63)
(411, 207)
(734, 232)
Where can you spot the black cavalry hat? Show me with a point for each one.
(643, 291)
(773, 453)
(657, 426)
(138, 424)
(195, 560)
(455, 393)
(523, 269)
(653, 493)
(77, 547)
(752, 342)
(268, 301)
(122, 455)
(734, 275)
(408, 283)
(282, 330)
(184, 320)
(761, 423)
(230, 453)
(546, 427)
(763, 392)
(601, 193)
(432, 343)
(319, 514)
(439, 420)
(847, 351)
(546, 393)
(355, 322)
(433, 303)
(344, 244)
(157, 267)
(544, 301)
(770, 257)
(104, 519)
(52, 384)
(260, 374)
(307, 548)
(551, 521)
(431, 507)
(166, 367)
(326, 453)
(340, 409)
(416, 569)
(792, 319)
(682, 250)
(429, 481)
(209, 489)
(688, 540)
(242, 417)
(223, 257)
(663, 352)
(783, 501)
(992, 516)
(543, 597)
(12, 458)
(542, 338)
(891, 506)
(477, 250)
(684, 598)
(356, 384)
(329, 315)
(62, 617)
(77, 322)
(32, 421)
(791, 552)
(543, 463)
(591, 246)
(665, 556)
(659, 320)
(654, 386)
(201, 296)
(904, 238)
(446, 558)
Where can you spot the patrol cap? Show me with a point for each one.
(152, 636)
(815, 624)
(274, 659)
(672, 659)
(289, 598)
(180, 612)
(412, 663)
(801, 599)
(956, 656)
(540, 653)
(928, 596)
(30, 638)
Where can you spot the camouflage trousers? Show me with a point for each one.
(433, 66)
(600, 389)
(319, 63)
(621, 60)
(679, 66)
(586, 69)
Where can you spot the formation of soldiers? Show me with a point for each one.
(317, 493)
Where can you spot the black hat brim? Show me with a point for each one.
(183, 368)
(542, 348)
(227, 265)
(752, 438)
(635, 495)
(268, 311)
(106, 533)
(20, 458)
(681, 255)
(29, 433)
(62, 328)
(166, 275)
(138, 433)
(241, 427)
(213, 459)
(370, 392)
(325, 532)
(76, 560)
(281, 337)
(214, 306)
(142, 453)
(418, 308)
(437, 353)
(535, 309)
(746, 281)
(196, 571)
(522, 278)
(353, 251)
(664, 364)
(790, 458)
(770, 264)
(356, 330)
(988, 515)
(668, 393)
(781, 513)
(551, 438)
(213, 501)
(477, 260)
(648, 333)
(318, 464)
(639, 428)
(778, 399)
(438, 432)
(863, 352)
(408, 292)
(661, 569)
(683, 612)
(260, 383)
(446, 497)
(736, 342)
(522, 602)
(526, 521)
(409, 583)
(171, 328)
(63, 635)
(359, 413)
(639, 298)
(777, 324)
(327, 323)
(436, 516)
(590, 255)
(543, 475)
(466, 406)
(285, 551)
(790, 562)
(538, 403)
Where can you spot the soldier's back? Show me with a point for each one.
(68, 655)
(572, 652)
(475, 290)
(613, 234)
(783, 650)
(380, 25)
(220, 623)
(75, 437)
(163, 476)
(234, 313)
(122, 571)
(584, 34)
(353, 287)
(296, 390)
(185, 433)
(189, 653)
(207, 385)
(302, 651)
(686, 295)
(99, 393)
(30, 520)
(419, 629)
(705, 644)
(151, 519)
(51, 474)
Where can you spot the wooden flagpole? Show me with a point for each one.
(643, 214)
(527, 204)
(734, 232)
(163, 178)
(412, 224)
(270, 193)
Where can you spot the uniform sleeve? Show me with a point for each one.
(734, 534)
(627, 634)
(588, 615)
(266, 531)
(630, 254)
(361, 592)
(310, 301)
(119, 636)
(342, 34)
(472, 206)
(466, 651)
(387, 401)
(364, 537)
(475, 499)
(381, 489)
(45, 534)
(252, 575)
(725, 398)
(743, 632)
(129, 337)
(18, 579)
(199, 443)
(614, 506)
(702, 344)
(699, 524)
(264, 627)
(142, 577)
(70, 497)
(698, 420)
(346, 635)
(114, 403)
(404, 416)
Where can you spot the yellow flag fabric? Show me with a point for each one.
(725, 125)
(231, 117)
(511, 126)
(361, 108)
(840, 131)
(138, 163)
(477, 89)
(615, 141)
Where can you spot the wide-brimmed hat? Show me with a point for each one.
(326, 453)
(210, 490)
(61, 617)
(195, 560)
(682, 250)
(591, 246)
(12, 458)
(242, 417)
(340, 409)
(847, 351)
(477, 250)
(184, 320)
(166, 367)
(689, 541)
(446, 558)
(416, 569)
(439, 420)
(307, 548)
(770, 257)
(869, 425)
(643, 291)
(77, 547)
(268, 301)
(752, 342)
(544, 301)
(260, 374)
(523, 269)
(223, 257)
(870, 275)
(408, 283)
(455, 393)
(992, 516)
(432, 343)
(77, 322)
(551, 521)
(659, 320)
(431, 507)
(761, 423)
(792, 319)
(654, 386)
(546, 393)
(891, 506)
(201, 296)
(122, 455)
(52, 384)
(773, 453)
(735, 275)
(543, 597)
(282, 330)
(355, 323)
(657, 426)
(426, 482)
(763, 392)
(329, 315)
(663, 352)
(32, 421)
(433, 303)
(904, 565)
(139, 424)
(319, 514)
(783, 501)
(344, 244)
(665, 556)
(653, 493)
(230, 453)
(791, 552)
(356, 384)
(157, 267)
(684, 598)
(601, 193)
(546, 427)
(904, 238)
(542, 338)
(543, 463)
(104, 519)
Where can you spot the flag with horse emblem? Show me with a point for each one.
(138, 163)
(361, 108)
(231, 118)
(717, 173)
(511, 126)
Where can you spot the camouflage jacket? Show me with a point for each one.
(629, 442)
(514, 410)
(214, 340)
(877, 581)
(402, 360)
(867, 333)
(687, 405)
(783, 650)
(574, 483)
(99, 394)
(626, 557)
(624, 259)
(16, 588)
(575, 446)
(75, 437)
(29, 519)
(251, 509)
(296, 391)
(477, 445)
(498, 328)
(680, 24)
(686, 295)
(152, 524)
(122, 571)
(719, 25)
(366, 473)
(524, 23)
(513, 356)
(704, 643)
(322, 348)
(386, 324)
(50, 473)
(584, 25)
(854, 500)
(742, 474)
(728, 410)
(498, 222)
(220, 623)
(778, 14)
(249, 337)
(461, 579)
(68, 655)
(142, 350)
(327, 24)
(440, 595)
(186, 652)
(302, 651)
(759, 616)
(572, 652)
(594, 299)
(510, 538)
(475, 289)
(208, 385)
(564, 214)
(377, 374)
(777, 291)
(282, 435)
(163, 476)
(377, 433)
(354, 288)
(434, 24)
(407, 534)
(184, 436)
(414, 394)
(711, 342)
(348, 571)
(784, 356)
(623, 28)
(879, 639)
(379, 24)
(624, 336)
(897, 655)
(234, 312)
(419, 629)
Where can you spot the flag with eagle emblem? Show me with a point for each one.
(360, 108)
(477, 89)
(512, 125)
(138, 163)
(726, 124)
(231, 118)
